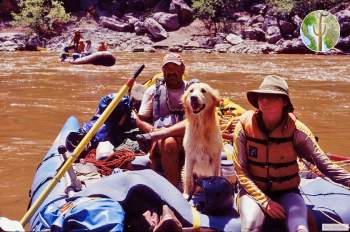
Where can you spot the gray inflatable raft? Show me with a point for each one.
(97, 58)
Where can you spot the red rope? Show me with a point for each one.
(119, 159)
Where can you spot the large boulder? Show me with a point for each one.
(222, 48)
(114, 24)
(209, 41)
(287, 28)
(249, 47)
(156, 31)
(181, 8)
(12, 41)
(344, 22)
(13, 36)
(273, 34)
(253, 33)
(234, 39)
(169, 21)
(294, 46)
(9, 46)
(33, 43)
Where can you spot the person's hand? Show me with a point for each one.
(144, 141)
(275, 210)
(144, 138)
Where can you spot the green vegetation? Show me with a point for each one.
(301, 7)
(44, 17)
(216, 9)
(282, 6)
(207, 9)
(217, 13)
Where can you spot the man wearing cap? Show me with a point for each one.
(74, 43)
(161, 107)
(267, 142)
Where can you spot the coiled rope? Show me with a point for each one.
(119, 159)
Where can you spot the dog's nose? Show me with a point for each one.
(194, 99)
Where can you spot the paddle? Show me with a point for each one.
(123, 91)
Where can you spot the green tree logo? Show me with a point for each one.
(320, 31)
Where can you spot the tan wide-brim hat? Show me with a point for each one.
(271, 84)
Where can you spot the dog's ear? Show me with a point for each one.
(216, 95)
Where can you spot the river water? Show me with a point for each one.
(38, 93)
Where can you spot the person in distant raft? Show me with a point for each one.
(88, 48)
(161, 107)
(102, 46)
(267, 143)
(74, 43)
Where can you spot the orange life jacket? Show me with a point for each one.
(271, 158)
(102, 47)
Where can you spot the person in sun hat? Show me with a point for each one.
(267, 143)
(161, 107)
(74, 43)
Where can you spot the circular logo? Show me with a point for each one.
(320, 31)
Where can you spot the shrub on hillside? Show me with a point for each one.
(207, 9)
(217, 13)
(45, 17)
(301, 7)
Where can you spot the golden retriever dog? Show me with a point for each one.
(202, 140)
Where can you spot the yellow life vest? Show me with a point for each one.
(271, 158)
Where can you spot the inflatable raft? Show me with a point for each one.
(97, 58)
(103, 204)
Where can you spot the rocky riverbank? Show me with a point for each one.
(174, 27)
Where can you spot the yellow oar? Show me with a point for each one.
(123, 91)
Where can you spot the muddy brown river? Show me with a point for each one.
(38, 93)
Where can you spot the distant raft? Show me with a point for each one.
(97, 58)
